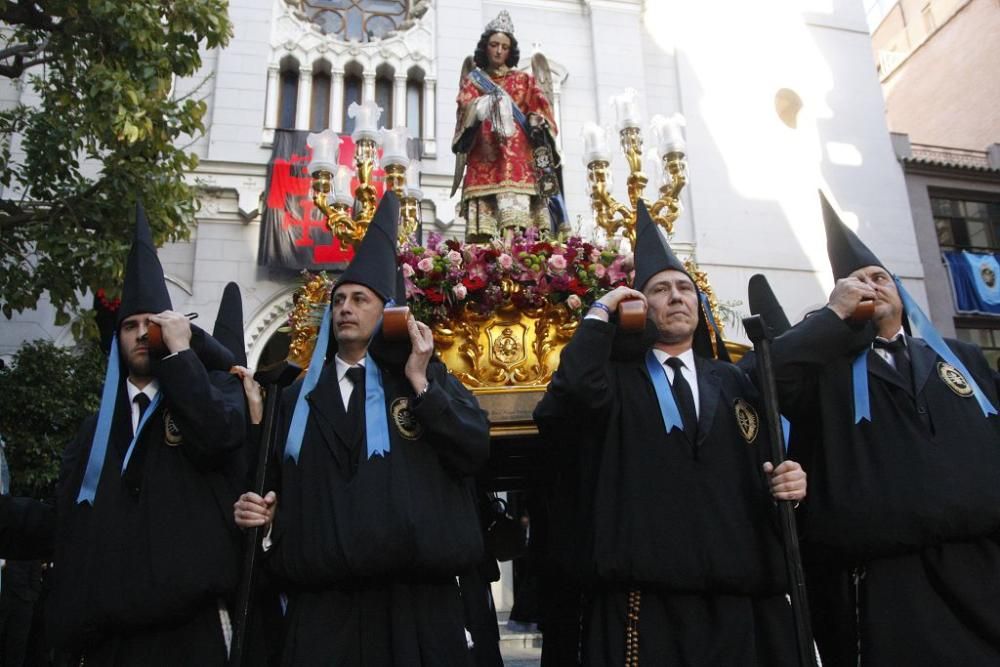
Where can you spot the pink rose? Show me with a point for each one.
(599, 270)
(573, 301)
(455, 258)
(557, 263)
(459, 291)
(407, 270)
(506, 261)
(426, 264)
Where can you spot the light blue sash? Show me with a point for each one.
(664, 396)
(99, 446)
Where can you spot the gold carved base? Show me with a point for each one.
(507, 348)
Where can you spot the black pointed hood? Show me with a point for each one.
(652, 255)
(846, 251)
(144, 290)
(764, 303)
(652, 252)
(374, 263)
(229, 323)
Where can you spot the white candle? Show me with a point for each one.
(595, 143)
(627, 108)
(413, 181)
(343, 194)
(366, 116)
(394, 146)
(668, 133)
(325, 149)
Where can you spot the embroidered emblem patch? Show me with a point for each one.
(953, 377)
(171, 431)
(404, 419)
(747, 420)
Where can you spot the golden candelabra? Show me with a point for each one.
(409, 206)
(347, 223)
(612, 215)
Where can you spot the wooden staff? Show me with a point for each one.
(759, 334)
(273, 379)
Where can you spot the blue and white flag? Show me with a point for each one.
(975, 281)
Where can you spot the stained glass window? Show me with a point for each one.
(358, 20)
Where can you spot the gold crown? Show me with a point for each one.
(501, 23)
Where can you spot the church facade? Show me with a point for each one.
(780, 101)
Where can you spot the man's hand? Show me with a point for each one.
(613, 298)
(846, 296)
(251, 510)
(176, 330)
(422, 341)
(253, 391)
(788, 480)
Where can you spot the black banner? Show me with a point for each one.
(293, 232)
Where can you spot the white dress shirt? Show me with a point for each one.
(886, 354)
(346, 386)
(687, 370)
(150, 390)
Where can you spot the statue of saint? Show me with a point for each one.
(505, 140)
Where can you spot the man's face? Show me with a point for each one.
(356, 311)
(133, 342)
(888, 305)
(498, 49)
(673, 305)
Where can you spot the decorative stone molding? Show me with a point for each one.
(265, 323)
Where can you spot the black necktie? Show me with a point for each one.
(685, 399)
(143, 402)
(356, 403)
(897, 348)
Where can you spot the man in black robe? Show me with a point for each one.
(377, 514)
(668, 495)
(145, 544)
(899, 534)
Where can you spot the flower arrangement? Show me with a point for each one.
(446, 277)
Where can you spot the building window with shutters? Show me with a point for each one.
(383, 95)
(415, 103)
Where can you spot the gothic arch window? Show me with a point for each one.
(319, 113)
(352, 93)
(288, 92)
(415, 101)
(357, 20)
(383, 94)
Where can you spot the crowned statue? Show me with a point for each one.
(505, 140)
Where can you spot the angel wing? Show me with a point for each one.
(543, 75)
(467, 66)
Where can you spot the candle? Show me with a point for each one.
(668, 133)
(325, 148)
(394, 146)
(595, 143)
(413, 181)
(627, 108)
(343, 194)
(366, 116)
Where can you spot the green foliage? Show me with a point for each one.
(106, 131)
(47, 392)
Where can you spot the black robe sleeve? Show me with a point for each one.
(209, 407)
(457, 428)
(27, 527)
(581, 385)
(800, 352)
